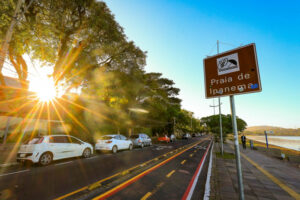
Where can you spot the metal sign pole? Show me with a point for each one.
(220, 114)
(237, 149)
(266, 134)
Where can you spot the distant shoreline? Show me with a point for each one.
(278, 131)
(275, 134)
(289, 142)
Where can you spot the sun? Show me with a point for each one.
(44, 88)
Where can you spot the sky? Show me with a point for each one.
(179, 34)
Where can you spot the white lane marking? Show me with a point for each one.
(63, 163)
(14, 172)
(190, 193)
(207, 184)
(92, 157)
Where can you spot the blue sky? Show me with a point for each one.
(178, 34)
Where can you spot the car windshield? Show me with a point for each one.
(134, 136)
(105, 138)
(33, 140)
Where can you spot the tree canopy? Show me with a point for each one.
(213, 124)
(88, 51)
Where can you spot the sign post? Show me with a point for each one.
(236, 148)
(266, 135)
(231, 73)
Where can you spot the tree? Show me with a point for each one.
(212, 123)
(89, 51)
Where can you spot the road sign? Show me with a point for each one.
(232, 72)
(269, 132)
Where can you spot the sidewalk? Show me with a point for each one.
(264, 178)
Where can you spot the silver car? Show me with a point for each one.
(141, 140)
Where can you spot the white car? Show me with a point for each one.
(113, 143)
(45, 149)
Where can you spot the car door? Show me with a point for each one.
(124, 141)
(56, 146)
(68, 150)
(143, 139)
(118, 142)
(77, 146)
(148, 139)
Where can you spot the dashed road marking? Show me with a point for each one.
(63, 163)
(137, 177)
(182, 162)
(200, 147)
(146, 196)
(170, 174)
(191, 155)
(188, 146)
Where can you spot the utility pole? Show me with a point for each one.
(8, 36)
(213, 106)
(174, 121)
(192, 121)
(220, 114)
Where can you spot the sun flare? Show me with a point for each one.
(44, 87)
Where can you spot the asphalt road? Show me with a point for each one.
(63, 177)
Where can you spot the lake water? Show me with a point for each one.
(290, 142)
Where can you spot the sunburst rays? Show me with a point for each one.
(35, 110)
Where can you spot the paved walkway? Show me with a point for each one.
(264, 177)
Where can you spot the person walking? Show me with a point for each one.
(243, 138)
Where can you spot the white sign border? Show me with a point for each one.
(257, 71)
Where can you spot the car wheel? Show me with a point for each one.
(45, 159)
(86, 153)
(115, 149)
(130, 147)
(142, 145)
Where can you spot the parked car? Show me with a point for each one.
(113, 143)
(45, 149)
(164, 139)
(141, 140)
(186, 136)
(172, 138)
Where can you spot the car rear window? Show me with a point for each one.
(33, 140)
(105, 138)
(134, 136)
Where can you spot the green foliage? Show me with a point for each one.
(89, 51)
(213, 124)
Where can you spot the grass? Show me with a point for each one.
(225, 155)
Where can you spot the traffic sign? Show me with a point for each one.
(232, 72)
(269, 132)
